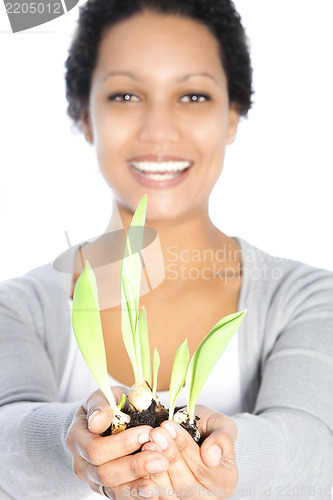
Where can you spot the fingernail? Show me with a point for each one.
(213, 455)
(150, 446)
(144, 436)
(170, 428)
(160, 440)
(94, 413)
(156, 466)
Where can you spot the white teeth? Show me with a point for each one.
(160, 177)
(165, 166)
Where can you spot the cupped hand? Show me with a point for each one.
(106, 463)
(208, 470)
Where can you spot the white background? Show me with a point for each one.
(279, 170)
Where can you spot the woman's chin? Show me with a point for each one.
(158, 214)
(161, 208)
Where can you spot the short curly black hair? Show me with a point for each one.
(97, 16)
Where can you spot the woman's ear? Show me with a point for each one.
(86, 126)
(233, 120)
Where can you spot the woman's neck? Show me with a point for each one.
(189, 238)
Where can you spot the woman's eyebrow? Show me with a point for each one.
(181, 79)
(121, 73)
(191, 75)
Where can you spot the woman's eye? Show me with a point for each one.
(123, 97)
(195, 98)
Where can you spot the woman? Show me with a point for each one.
(158, 88)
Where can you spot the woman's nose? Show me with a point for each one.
(159, 124)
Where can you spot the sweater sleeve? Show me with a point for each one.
(34, 460)
(285, 447)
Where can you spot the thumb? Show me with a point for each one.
(216, 448)
(99, 412)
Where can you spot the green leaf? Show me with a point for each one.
(139, 216)
(178, 375)
(122, 401)
(129, 327)
(156, 365)
(130, 282)
(144, 344)
(88, 329)
(207, 355)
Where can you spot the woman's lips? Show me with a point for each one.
(159, 171)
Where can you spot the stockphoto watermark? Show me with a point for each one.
(182, 492)
(26, 14)
(224, 264)
(105, 254)
(171, 263)
(299, 491)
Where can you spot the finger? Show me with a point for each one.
(179, 475)
(216, 448)
(218, 453)
(151, 446)
(221, 432)
(99, 450)
(162, 480)
(79, 425)
(222, 476)
(197, 471)
(186, 446)
(79, 467)
(211, 421)
(139, 489)
(126, 469)
(120, 492)
(98, 410)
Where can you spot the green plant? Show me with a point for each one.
(178, 374)
(89, 336)
(88, 332)
(207, 355)
(156, 366)
(134, 331)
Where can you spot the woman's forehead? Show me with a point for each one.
(151, 41)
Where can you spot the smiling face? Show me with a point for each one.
(159, 114)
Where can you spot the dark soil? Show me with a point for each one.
(192, 430)
(144, 417)
(154, 416)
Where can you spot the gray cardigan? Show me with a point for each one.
(285, 431)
